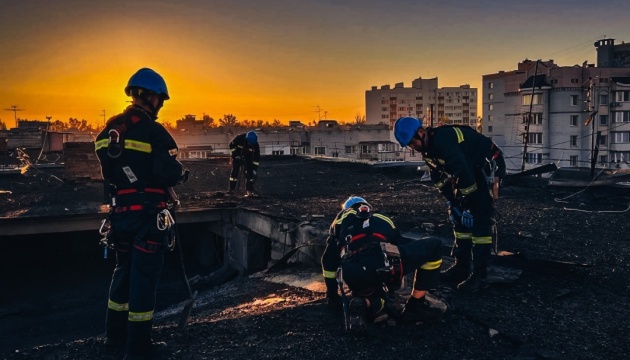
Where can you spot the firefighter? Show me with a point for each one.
(461, 162)
(371, 253)
(138, 164)
(245, 150)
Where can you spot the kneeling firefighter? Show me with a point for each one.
(373, 258)
(139, 164)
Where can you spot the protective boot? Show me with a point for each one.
(232, 186)
(478, 280)
(116, 331)
(358, 315)
(460, 270)
(140, 346)
(417, 310)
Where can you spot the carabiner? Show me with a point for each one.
(164, 220)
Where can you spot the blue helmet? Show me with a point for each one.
(405, 129)
(251, 137)
(147, 79)
(353, 200)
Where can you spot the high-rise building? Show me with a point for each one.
(453, 105)
(569, 115)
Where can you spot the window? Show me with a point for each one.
(622, 96)
(573, 159)
(490, 85)
(603, 119)
(533, 158)
(574, 120)
(603, 159)
(277, 152)
(535, 138)
(490, 118)
(536, 118)
(319, 150)
(573, 141)
(603, 140)
(490, 107)
(603, 99)
(489, 129)
(620, 137)
(490, 96)
(575, 81)
(622, 116)
(350, 149)
(574, 100)
(526, 99)
(365, 149)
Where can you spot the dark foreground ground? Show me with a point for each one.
(570, 301)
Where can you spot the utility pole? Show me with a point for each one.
(528, 119)
(15, 109)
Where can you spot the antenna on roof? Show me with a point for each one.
(15, 109)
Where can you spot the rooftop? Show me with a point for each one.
(568, 299)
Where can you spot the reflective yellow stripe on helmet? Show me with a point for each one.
(112, 305)
(140, 316)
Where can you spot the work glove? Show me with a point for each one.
(454, 214)
(467, 219)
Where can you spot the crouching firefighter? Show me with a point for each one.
(138, 164)
(366, 251)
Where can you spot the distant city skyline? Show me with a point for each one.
(277, 59)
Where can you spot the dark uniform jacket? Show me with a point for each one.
(357, 236)
(240, 148)
(458, 152)
(147, 155)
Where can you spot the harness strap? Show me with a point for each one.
(146, 190)
(362, 235)
(117, 135)
(119, 209)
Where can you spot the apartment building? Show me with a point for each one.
(570, 115)
(424, 99)
(328, 138)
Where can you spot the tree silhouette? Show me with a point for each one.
(3, 126)
(359, 119)
(208, 121)
(228, 120)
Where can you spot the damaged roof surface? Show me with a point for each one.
(569, 300)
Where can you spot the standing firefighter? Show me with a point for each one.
(138, 163)
(461, 163)
(371, 253)
(245, 150)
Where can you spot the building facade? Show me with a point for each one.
(424, 99)
(574, 116)
(326, 139)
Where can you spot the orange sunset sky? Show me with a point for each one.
(276, 59)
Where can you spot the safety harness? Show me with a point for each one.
(392, 269)
(123, 200)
